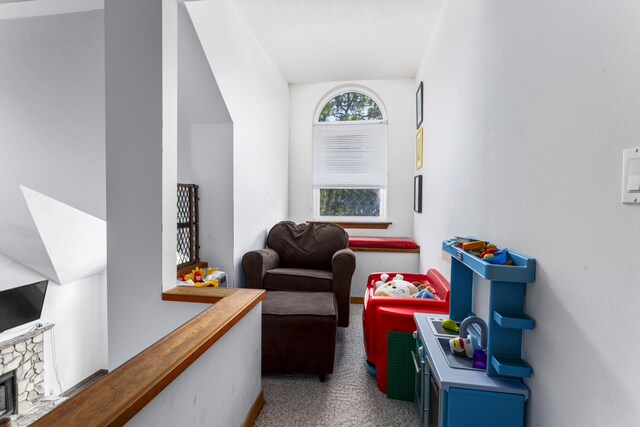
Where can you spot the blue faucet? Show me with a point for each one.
(483, 329)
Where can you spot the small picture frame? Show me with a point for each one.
(419, 149)
(419, 105)
(417, 193)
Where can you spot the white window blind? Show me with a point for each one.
(350, 155)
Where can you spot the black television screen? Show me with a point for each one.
(22, 304)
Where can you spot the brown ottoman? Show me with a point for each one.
(299, 332)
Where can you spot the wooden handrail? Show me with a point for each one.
(121, 394)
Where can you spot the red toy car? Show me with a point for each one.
(384, 314)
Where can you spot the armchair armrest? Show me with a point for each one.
(255, 265)
(343, 265)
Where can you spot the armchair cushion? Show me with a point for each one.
(309, 246)
(297, 279)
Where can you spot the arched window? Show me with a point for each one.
(350, 107)
(350, 158)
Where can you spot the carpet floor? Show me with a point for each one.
(349, 397)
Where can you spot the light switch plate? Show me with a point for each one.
(631, 175)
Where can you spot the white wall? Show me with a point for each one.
(219, 388)
(137, 317)
(398, 97)
(205, 146)
(257, 96)
(212, 170)
(528, 108)
(78, 312)
(199, 98)
(52, 132)
(52, 140)
(372, 262)
(32, 8)
(169, 125)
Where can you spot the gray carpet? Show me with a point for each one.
(349, 397)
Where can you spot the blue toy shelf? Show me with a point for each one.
(522, 270)
(508, 319)
(506, 305)
(511, 367)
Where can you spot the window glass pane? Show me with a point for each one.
(349, 202)
(350, 106)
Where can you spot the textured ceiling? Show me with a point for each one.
(329, 40)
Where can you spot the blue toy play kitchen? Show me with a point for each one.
(486, 391)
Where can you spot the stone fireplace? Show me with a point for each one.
(22, 371)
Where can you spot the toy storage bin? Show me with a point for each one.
(382, 315)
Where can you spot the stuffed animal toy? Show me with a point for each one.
(424, 291)
(396, 288)
(382, 281)
(424, 294)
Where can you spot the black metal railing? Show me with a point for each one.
(188, 229)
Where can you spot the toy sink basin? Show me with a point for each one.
(438, 330)
(456, 362)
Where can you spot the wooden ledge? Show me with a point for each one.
(361, 225)
(398, 250)
(121, 394)
(201, 295)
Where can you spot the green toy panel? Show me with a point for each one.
(400, 369)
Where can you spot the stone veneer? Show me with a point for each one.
(25, 355)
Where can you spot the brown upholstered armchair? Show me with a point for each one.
(304, 258)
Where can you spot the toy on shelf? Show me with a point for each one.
(203, 277)
(486, 251)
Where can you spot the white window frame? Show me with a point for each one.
(383, 191)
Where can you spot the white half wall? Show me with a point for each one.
(78, 311)
(528, 108)
(137, 316)
(257, 96)
(219, 388)
(398, 97)
(212, 170)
